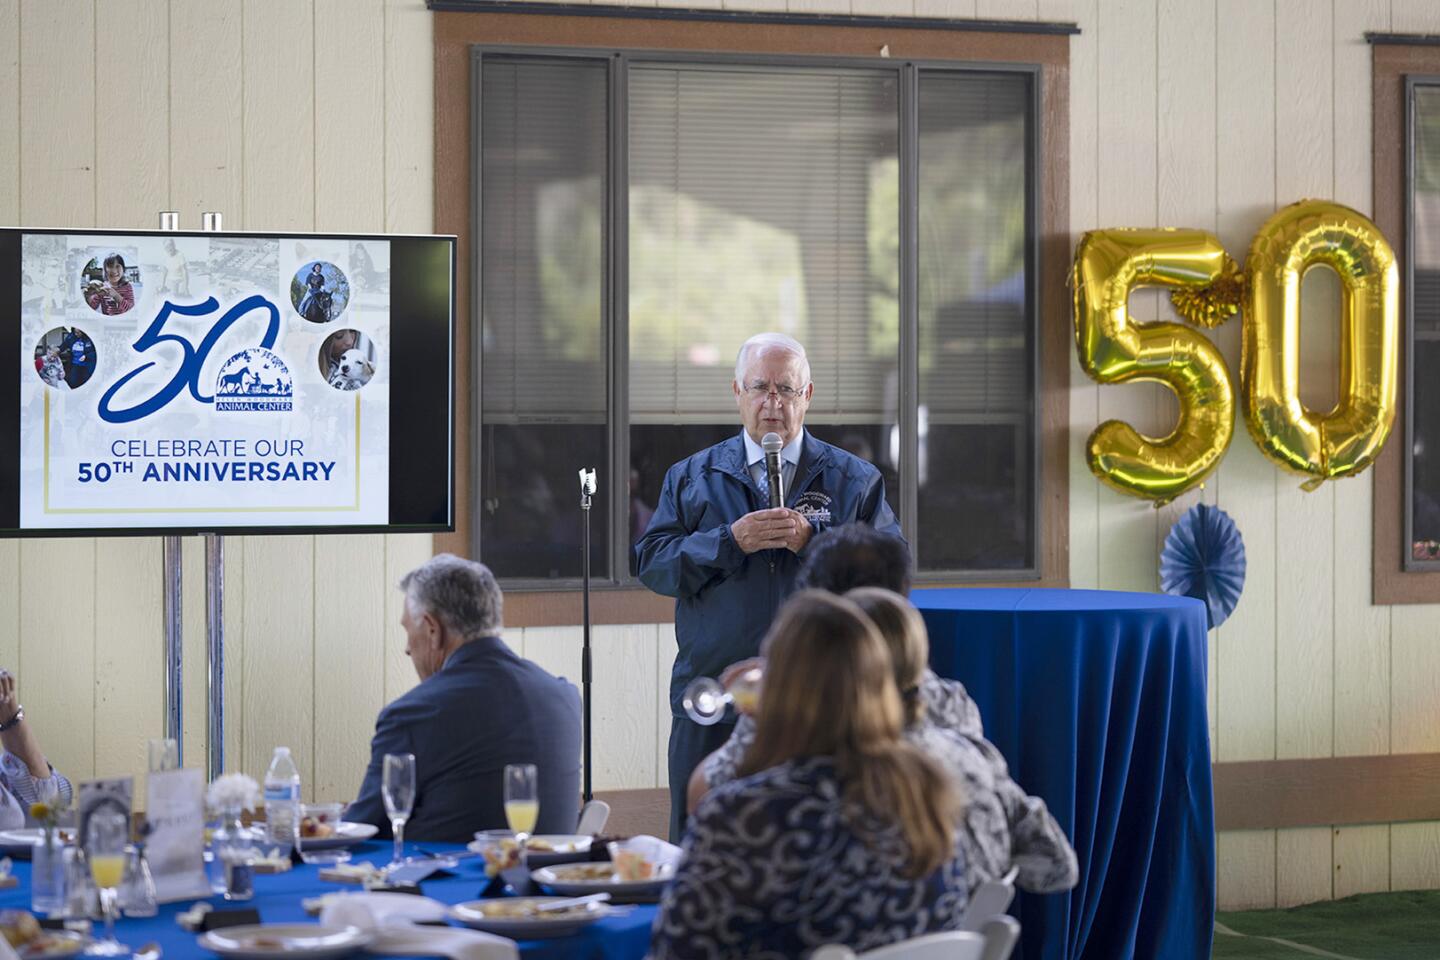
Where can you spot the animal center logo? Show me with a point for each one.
(814, 506)
(254, 379)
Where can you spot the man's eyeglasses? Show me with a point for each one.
(787, 393)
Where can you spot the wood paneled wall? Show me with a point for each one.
(317, 114)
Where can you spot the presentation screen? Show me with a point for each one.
(225, 382)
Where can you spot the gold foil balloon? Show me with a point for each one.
(1116, 349)
(1347, 439)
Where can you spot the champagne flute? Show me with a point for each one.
(106, 834)
(398, 791)
(522, 801)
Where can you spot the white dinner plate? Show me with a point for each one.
(509, 917)
(266, 941)
(346, 833)
(563, 848)
(577, 879)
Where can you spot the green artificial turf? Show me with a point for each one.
(1375, 926)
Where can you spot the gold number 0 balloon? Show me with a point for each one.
(1115, 349)
(1345, 440)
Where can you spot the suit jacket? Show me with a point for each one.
(486, 707)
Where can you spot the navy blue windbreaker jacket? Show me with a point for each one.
(724, 598)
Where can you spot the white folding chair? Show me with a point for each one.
(947, 945)
(990, 899)
(593, 817)
(994, 941)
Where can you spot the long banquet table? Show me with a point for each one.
(277, 897)
(1097, 700)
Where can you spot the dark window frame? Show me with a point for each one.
(857, 41)
(1413, 82)
(1396, 60)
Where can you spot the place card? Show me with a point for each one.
(175, 845)
(101, 793)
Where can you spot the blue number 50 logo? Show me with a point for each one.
(188, 375)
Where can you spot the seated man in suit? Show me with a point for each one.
(478, 707)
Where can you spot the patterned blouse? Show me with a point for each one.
(19, 789)
(773, 870)
(1002, 826)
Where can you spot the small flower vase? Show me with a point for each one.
(47, 874)
(234, 852)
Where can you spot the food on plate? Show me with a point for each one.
(632, 865)
(52, 944)
(572, 872)
(18, 927)
(528, 910)
(263, 942)
(314, 828)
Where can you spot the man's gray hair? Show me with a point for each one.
(461, 594)
(769, 341)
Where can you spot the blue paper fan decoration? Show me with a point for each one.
(1204, 558)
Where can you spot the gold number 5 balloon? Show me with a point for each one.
(1347, 439)
(1116, 349)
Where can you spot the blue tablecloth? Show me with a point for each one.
(278, 897)
(1097, 699)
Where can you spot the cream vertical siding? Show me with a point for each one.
(318, 115)
(283, 116)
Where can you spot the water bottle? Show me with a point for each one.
(282, 802)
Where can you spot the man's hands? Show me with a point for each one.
(779, 528)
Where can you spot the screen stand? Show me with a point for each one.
(173, 609)
(215, 647)
(215, 614)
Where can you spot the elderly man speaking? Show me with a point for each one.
(730, 562)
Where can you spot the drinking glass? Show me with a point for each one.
(106, 835)
(705, 700)
(522, 801)
(137, 889)
(318, 824)
(164, 754)
(398, 790)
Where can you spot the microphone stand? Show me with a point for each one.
(587, 487)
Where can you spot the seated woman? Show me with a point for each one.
(1001, 826)
(837, 831)
(25, 775)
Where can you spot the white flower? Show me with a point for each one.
(233, 791)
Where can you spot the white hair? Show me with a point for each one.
(762, 342)
(462, 594)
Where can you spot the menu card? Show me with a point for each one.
(175, 847)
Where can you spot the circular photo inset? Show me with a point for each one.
(109, 285)
(65, 358)
(347, 359)
(319, 291)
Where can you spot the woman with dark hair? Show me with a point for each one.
(114, 295)
(838, 831)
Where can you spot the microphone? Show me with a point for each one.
(772, 443)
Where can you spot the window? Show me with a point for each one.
(1422, 501)
(631, 241)
(1405, 73)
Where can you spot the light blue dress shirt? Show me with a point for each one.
(789, 460)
